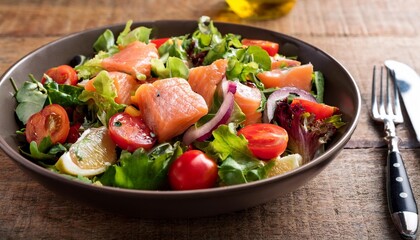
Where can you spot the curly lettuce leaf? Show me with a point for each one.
(103, 97)
(306, 134)
(92, 67)
(142, 170)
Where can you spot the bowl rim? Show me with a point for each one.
(332, 150)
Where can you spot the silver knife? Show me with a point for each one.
(408, 83)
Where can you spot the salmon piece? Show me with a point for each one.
(300, 77)
(281, 62)
(134, 59)
(169, 106)
(249, 100)
(204, 79)
(125, 85)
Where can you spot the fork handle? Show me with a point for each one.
(401, 202)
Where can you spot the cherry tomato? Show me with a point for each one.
(63, 74)
(266, 141)
(159, 41)
(193, 170)
(130, 132)
(51, 121)
(271, 48)
(321, 111)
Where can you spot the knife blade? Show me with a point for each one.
(408, 82)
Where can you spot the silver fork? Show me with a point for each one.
(401, 202)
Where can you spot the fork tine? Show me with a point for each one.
(381, 95)
(390, 102)
(374, 104)
(396, 102)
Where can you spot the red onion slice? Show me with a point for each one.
(222, 116)
(280, 95)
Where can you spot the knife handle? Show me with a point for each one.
(401, 202)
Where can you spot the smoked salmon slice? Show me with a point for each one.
(169, 106)
(204, 79)
(249, 100)
(281, 62)
(299, 76)
(125, 86)
(134, 59)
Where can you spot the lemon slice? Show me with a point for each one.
(285, 164)
(90, 155)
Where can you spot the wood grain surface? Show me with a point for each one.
(346, 201)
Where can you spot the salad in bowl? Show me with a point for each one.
(194, 111)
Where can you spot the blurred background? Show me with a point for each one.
(346, 201)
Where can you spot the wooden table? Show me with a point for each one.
(346, 201)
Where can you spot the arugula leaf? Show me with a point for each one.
(247, 63)
(216, 52)
(207, 44)
(46, 152)
(142, 170)
(238, 163)
(206, 34)
(31, 99)
(171, 48)
(103, 97)
(128, 36)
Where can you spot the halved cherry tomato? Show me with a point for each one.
(130, 132)
(159, 41)
(271, 48)
(51, 121)
(192, 170)
(63, 74)
(266, 141)
(320, 110)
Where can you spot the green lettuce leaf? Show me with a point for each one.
(238, 165)
(105, 42)
(103, 98)
(63, 94)
(128, 36)
(92, 67)
(175, 67)
(142, 170)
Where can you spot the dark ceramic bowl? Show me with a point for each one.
(341, 91)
